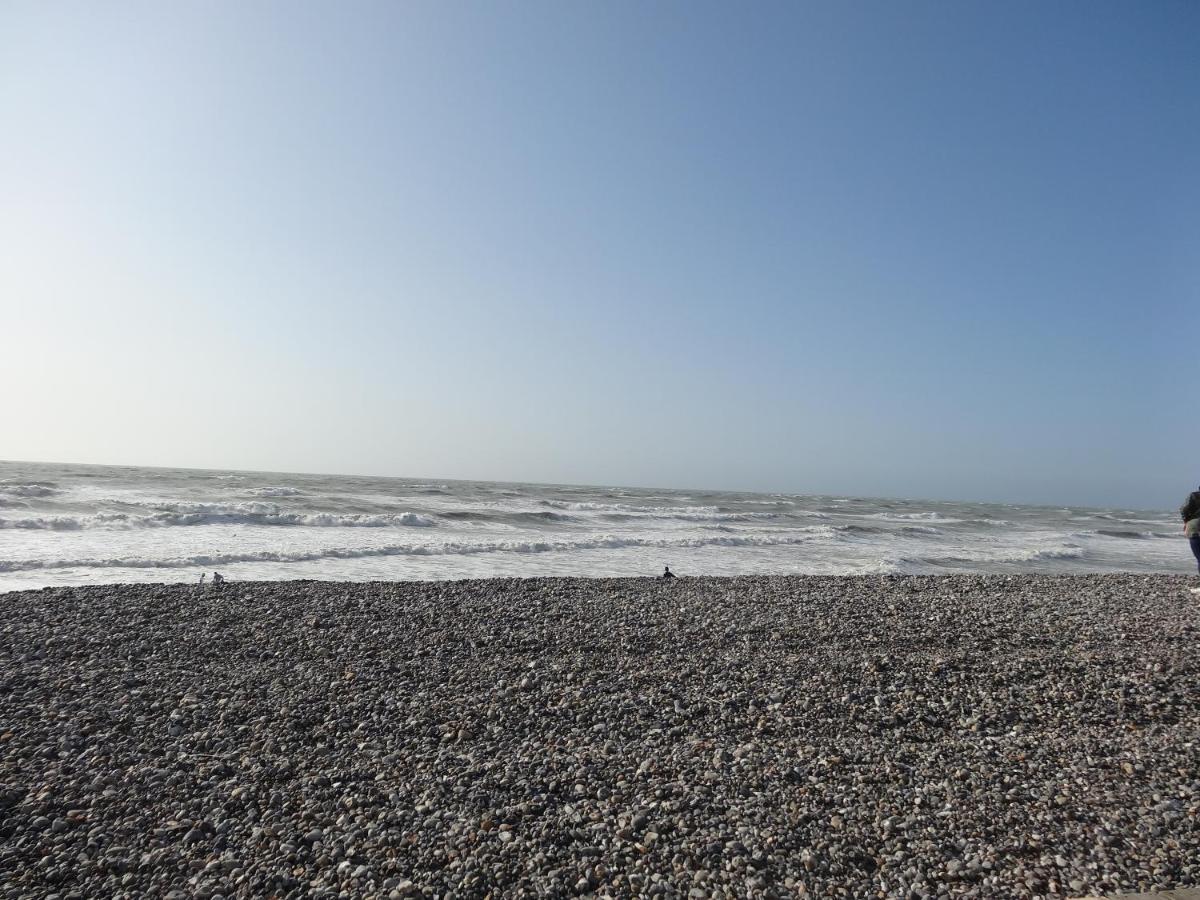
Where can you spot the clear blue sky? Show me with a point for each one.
(945, 249)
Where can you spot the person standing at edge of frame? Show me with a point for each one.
(1190, 512)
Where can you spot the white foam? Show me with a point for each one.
(604, 542)
(28, 489)
(677, 513)
(912, 517)
(276, 492)
(589, 506)
(248, 508)
(217, 516)
(682, 516)
(967, 556)
(64, 516)
(48, 523)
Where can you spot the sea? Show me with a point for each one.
(76, 524)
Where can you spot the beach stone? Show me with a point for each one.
(907, 736)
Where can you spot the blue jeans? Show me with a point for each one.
(1194, 540)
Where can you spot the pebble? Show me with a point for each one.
(895, 736)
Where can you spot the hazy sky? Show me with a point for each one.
(945, 249)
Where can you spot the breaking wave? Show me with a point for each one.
(71, 524)
(912, 517)
(29, 488)
(967, 557)
(606, 542)
(858, 529)
(216, 517)
(683, 516)
(1132, 535)
(519, 517)
(276, 492)
(544, 515)
(590, 506)
(625, 512)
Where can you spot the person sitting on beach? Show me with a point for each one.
(218, 579)
(1190, 511)
(667, 573)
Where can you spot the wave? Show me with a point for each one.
(249, 508)
(544, 515)
(258, 513)
(874, 529)
(625, 512)
(858, 529)
(912, 517)
(1129, 534)
(276, 492)
(29, 488)
(606, 542)
(537, 517)
(169, 519)
(640, 496)
(48, 523)
(966, 557)
(590, 506)
(703, 517)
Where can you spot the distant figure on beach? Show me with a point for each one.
(218, 579)
(1190, 511)
(667, 573)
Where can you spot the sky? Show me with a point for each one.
(922, 249)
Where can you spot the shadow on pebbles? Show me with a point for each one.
(747, 737)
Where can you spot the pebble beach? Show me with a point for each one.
(875, 736)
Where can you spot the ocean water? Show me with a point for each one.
(72, 524)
